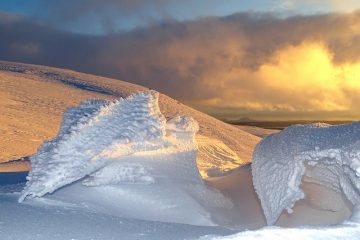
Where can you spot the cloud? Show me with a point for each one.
(304, 78)
(248, 62)
(103, 15)
(344, 6)
(317, 5)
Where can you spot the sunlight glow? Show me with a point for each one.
(308, 72)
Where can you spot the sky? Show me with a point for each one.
(263, 59)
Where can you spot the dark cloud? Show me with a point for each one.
(246, 61)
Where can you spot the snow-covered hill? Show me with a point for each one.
(33, 99)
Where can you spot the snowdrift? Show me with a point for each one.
(321, 154)
(124, 158)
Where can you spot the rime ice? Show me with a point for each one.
(129, 161)
(318, 153)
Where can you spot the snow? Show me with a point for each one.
(34, 99)
(317, 153)
(260, 132)
(44, 219)
(133, 163)
(111, 183)
(87, 132)
(130, 162)
(346, 231)
(215, 158)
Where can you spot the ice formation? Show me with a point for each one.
(87, 133)
(97, 132)
(318, 153)
(124, 158)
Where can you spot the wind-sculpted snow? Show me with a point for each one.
(215, 158)
(318, 153)
(130, 161)
(86, 133)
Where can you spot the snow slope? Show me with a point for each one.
(35, 98)
(321, 154)
(260, 132)
(31, 109)
(214, 158)
(44, 219)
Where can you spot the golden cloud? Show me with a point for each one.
(300, 77)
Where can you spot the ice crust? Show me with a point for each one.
(98, 132)
(319, 153)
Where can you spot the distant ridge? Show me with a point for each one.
(246, 119)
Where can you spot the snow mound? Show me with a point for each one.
(317, 153)
(123, 158)
(82, 145)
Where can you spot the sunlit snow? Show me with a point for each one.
(325, 155)
(120, 169)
